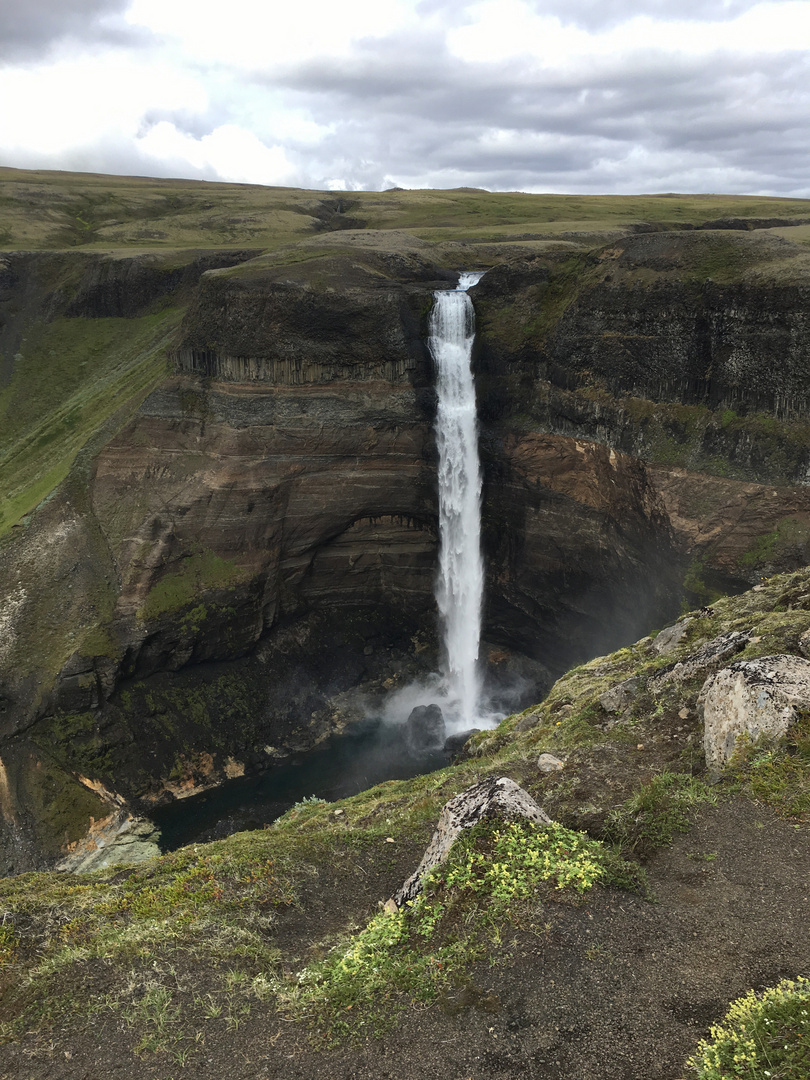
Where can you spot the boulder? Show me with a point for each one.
(710, 654)
(752, 697)
(492, 797)
(547, 763)
(670, 637)
(621, 696)
(425, 727)
(454, 744)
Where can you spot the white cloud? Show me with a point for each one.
(71, 103)
(229, 152)
(255, 33)
(550, 95)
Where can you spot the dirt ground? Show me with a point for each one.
(618, 988)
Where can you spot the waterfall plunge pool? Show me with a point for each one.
(373, 751)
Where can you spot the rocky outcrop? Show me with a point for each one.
(493, 797)
(118, 840)
(753, 698)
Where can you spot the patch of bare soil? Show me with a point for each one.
(617, 988)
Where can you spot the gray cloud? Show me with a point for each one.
(402, 109)
(29, 28)
(405, 109)
(603, 14)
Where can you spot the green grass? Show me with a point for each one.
(71, 376)
(210, 904)
(776, 772)
(64, 210)
(657, 813)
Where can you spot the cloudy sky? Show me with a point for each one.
(531, 95)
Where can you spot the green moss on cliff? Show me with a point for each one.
(197, 574)
(70, 376)
(62, 807)
(790, 533)
(79, 743)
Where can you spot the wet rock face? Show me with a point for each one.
(424, 728)
(578, 550)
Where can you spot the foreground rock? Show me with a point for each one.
(493, 797)
(753, 698)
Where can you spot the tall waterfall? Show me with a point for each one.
(460, 585)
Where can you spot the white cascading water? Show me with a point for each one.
(460, 585)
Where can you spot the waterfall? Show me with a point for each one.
(460, 585)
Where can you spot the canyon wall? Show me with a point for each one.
(229, 556)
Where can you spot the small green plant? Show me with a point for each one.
(515, 858)
(776, 772)
(309, 800)
(762, 1037)
(494, 870)
(657, 812)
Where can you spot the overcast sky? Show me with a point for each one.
(532, 95)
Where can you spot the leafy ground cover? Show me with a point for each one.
(762, 1035)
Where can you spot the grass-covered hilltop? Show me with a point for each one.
(218, 541)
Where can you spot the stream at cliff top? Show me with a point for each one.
(407, 735)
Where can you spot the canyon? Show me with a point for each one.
(238, 525)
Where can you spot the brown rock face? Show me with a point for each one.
(311, 499)
(579, 546)
(261, 536)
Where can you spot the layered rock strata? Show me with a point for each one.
(259, 536)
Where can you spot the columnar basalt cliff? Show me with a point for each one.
(687, 352)
(255, 534)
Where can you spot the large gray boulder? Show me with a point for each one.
(752, 697)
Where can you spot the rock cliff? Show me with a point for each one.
(254, 531)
